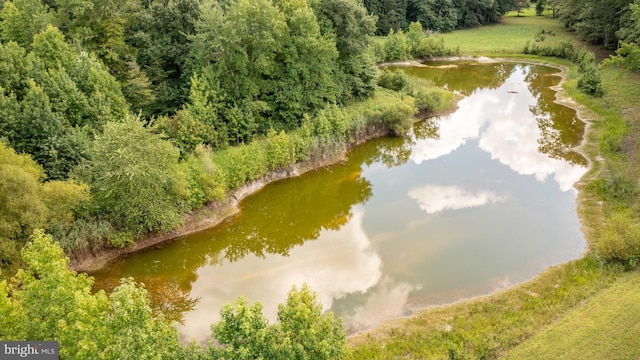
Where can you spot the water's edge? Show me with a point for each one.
(216, 212)
(583, 201)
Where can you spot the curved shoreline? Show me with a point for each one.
(213, 213)
(584, 203)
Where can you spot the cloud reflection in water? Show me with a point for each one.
(338, 263)
(508, 132)
(433, 198)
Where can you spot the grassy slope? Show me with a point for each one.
(509, 36)
(607, 325)
(602, 327)
(486, 327)
(525, 316)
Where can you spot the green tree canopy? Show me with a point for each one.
(349, 24)
(302, 331)
(53, 98)
(269, 60)
(160, 33)
(134, 178)
(46, 301)
(27, 203)
(21, 20)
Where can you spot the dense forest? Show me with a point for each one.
(119, 117)
(104, 104)
(436, 15)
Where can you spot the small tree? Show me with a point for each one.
(520, 5)
(540, 7)
(134, 178)
(396, 46)
(302, 331)
(47, 301)
(312, 335)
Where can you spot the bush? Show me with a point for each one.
(428, 100)
(135, 178)
(425, 45)
(399, 117)
(242, 163)
(332, 122)
(584, 58)
(88, 234)
(590, 81)
(121, 239)
(619, 239)
(302, 330)
(395, 80)
(396, 46)
(564, 50)
(204, 181)
(280, 150)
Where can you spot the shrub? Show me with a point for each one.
(332, 122)
(84, 233)
(428, 100)
(303, 331)
(396, 46)
(584, 58)
(120, 239)
(590, 81)
(399, 116)
(241, 163)
(395, 80)
(203, 180)
(619, 239)
(564, 50)
(280, 149)
(135, 179)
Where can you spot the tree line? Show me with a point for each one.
(436, 15)
(613, 25)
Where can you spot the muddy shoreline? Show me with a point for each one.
(215, 212)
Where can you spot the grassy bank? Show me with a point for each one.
(602, 327)
(528, 316)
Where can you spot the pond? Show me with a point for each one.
(470, 203)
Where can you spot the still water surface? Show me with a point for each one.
(472, 202)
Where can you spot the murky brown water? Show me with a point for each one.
(472, 202)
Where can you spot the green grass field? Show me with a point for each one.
(600, 328)
(508, 36)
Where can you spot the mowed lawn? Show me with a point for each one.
(508, 36)
(606, 326)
